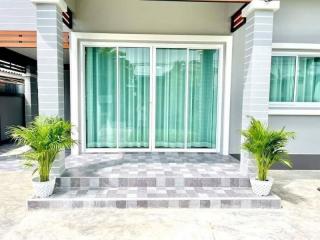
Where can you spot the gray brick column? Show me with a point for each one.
(50, 62)
(30, 96)
(257, 63)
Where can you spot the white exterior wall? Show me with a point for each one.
(17, 15)
(20, 15)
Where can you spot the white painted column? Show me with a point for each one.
(50, 62)
(257, 64)
(30, 96)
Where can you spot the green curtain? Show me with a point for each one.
(134, 77)
(309, 79)
(133, 94)
(170, 97)
(282, 79)
(203, 91)
(101, 75)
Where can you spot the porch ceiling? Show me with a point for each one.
(219, 1)
(32, 53)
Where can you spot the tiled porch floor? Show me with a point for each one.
(145, 165)
(10, 157)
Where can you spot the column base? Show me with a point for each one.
(59, 165)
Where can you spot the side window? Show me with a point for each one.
(308, 89)
(282, 79)
(295, 79)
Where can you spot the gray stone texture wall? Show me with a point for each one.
(50, 66)
(257, 64)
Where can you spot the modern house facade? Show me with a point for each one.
(170, 76)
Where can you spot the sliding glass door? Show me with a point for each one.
(202, 98)
(180, 114)
(134, 84)
(101, 97)
(186, 98)
(170, 97)
(117, 97)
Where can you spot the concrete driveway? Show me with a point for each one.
(299, 219)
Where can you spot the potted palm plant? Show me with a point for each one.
(267, 147)
(46, 137)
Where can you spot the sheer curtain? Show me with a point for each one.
(203, 92)
(134, 77)
(282, 79)
(101, 75)
(309, 79)
(170, 97)
(118, 98)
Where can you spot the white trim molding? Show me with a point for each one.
(61, 3)
(80, 40)
(294, 108)
(260, 5)
(296, 46)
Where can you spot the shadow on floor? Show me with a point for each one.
(286, 195)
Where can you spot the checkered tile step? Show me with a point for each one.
(156, 197)
(180, 181)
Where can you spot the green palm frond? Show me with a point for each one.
(267, 146)
(46, 136)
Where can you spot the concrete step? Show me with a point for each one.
(137, 181)
(155, 197)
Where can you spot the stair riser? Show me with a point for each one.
(172, 203)
(151, 182)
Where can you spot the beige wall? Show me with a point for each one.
(71, 4)
(137, 16)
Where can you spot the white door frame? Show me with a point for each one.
(81, 40)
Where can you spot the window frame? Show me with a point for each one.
(295, 108)
(152, 46)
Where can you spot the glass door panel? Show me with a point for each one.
(202, 99)
(170, 97)
(101, 97)
(117, 95)
(134, 97)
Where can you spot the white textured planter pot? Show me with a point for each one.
(261, 188)
(43, 189)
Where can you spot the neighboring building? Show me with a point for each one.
(170, 76)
